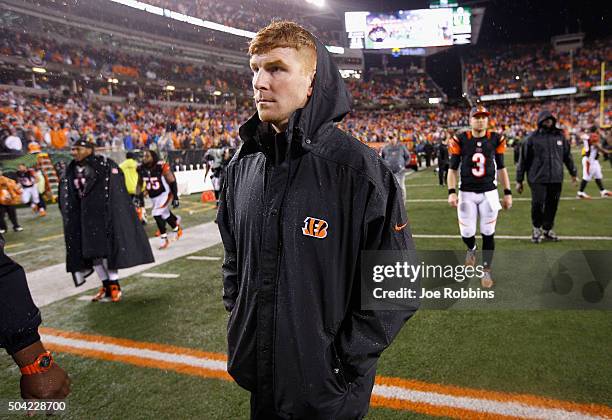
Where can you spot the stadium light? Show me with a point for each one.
(115, 81)
(39, 70)
(170, 88)
(517, 77)
(435, 100)
(217, 93)
(200, 22)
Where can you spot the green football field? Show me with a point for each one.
(557, 359)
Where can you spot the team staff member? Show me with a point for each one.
(41, 377)
(301, 200)
(10, 196)
(397, 156)
(129, 167)
(101, 228)
(443, 160)
(477, 157)
(543, 154)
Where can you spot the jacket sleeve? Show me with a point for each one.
(364, 334)
(226, 228)
(406, 153)
(567, 158)
(19, 317)
(524, 160)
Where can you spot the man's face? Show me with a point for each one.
(282, 83)
(147, 159)
(79, 153)
(479, 122)
(21, 167)
(394, 140)
(548, 123)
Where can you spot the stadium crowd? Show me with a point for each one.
(525, 68)
(514, 119)
(109, 62)
(56, 123)
(383, 90)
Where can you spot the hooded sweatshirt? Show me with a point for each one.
(296, 210)
(544, 153)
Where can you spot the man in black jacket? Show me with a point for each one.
(443, 159)
(101, 227)
(41, 377)
(543, 155)
(301, 201)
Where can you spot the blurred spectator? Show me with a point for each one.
(525, 68)
(10, 196)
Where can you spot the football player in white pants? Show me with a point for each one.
(477, 160)
(160, 183)
(591, 169)
(28, 181)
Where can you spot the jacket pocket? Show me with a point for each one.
(338, 369)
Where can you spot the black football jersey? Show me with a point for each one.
(26, 179)
(153, 178)
(83, 174)
(478, 159)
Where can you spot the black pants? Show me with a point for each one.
(544, 203)
(442, 173)
(12, 214)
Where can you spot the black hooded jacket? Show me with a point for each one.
(103, 223)
(294, 216)
(543, 154)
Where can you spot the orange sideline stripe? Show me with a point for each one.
(531, 400)
(142, 362)
(166, 348)
(527, 399)
(435, 410)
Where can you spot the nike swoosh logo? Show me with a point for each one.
(400, 227)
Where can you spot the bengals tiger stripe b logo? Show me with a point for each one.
(317, 228)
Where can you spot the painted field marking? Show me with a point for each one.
(25, 251)
(444, 200)
(48, 238)
(389, 392)
(161, 275)
(203, 258)
(9, 246)
(565, 238)
(88, 299)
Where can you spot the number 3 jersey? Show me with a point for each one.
(153, 177)
(478, 159)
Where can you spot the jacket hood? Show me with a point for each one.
(330, 102)
(544, 115)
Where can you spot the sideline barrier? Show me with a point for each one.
(191, 180)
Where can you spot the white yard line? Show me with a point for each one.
(161, 275)
(509, 407)
(203, 258)
(25, 251)
(568, 238)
